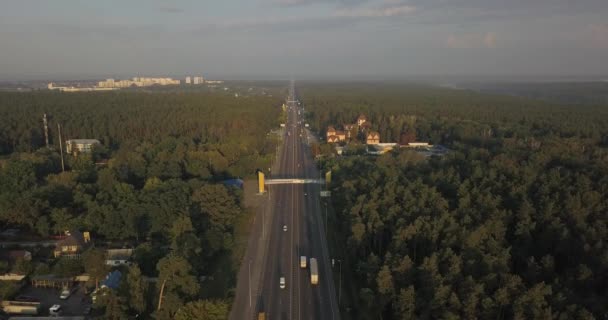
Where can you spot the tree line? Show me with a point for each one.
(155, 183)
(510, 224)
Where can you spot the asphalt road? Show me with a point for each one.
(298, 207)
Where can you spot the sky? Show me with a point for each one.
(58, 39)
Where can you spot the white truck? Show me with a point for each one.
(314, 271)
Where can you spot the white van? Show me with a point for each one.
(303, 262)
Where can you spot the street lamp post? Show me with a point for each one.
(340, 283)
(326, 218)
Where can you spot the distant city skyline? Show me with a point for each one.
(276, 39)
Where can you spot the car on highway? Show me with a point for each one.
(284, 227)
(282, 282)
(303, 262)
(55, 310)
(65, 293)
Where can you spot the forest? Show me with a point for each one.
(154, 184)
(510, 224)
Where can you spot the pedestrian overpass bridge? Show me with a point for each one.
(262, 182)
(294, 181)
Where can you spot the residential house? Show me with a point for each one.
(361, 120)
(341, 135)
(331, 131)
(332, 139)
(118, 257)
(349, 128)
(72, 245)
(365, 126)
(80, 145)
(373, 138)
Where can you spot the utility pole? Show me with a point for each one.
(325, 218)
(61, 147)
(250, 283)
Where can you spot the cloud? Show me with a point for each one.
(472, 41)
(388, 11)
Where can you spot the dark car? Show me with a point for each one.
(27, 299)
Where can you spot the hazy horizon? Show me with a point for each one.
(309, 39)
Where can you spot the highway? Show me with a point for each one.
(296, 207)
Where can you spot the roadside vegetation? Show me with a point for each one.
(510, 224)
(154, 184)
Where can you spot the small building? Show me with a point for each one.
(72, 245)
(51, 281)
(112, 280)
(373, 138)
(332, 139)
(118, 257)
(80, 145)
(12, 277)
(361, 120)
(331, 131)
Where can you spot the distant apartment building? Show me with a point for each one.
(188, 80)
(80, 145)
(137, 82)
(51, 86)
(198, 80)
